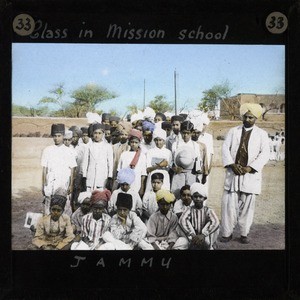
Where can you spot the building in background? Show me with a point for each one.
(273, 105)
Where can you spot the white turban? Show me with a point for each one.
(200, 188)
(126, 175)
(198, 124)
(254, 108)
(68, 134)
(159, 133)
(83, 195)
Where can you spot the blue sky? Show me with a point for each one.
(122, 68)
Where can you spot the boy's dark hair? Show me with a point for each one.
(157, 176)
(163, 116)
(185, 187)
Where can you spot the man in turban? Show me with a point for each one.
(147, 142)
(245, 151)
(54, 230)
(175, 134)
(123, 129)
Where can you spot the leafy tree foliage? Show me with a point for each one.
(133, 109)
(19, 110)
(211, 96)
(90, 95)
(160, 104)
(58, 98)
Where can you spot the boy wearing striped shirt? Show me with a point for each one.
(199, 223)
(94, 224)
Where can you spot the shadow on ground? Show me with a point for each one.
(262, 237)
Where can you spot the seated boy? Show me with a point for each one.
(149, 200)
(162, 224)
(126, 230)
(125, 178)
(199, 223)
(84, 208)
(95, 223)
(54, 231)
(184, 201)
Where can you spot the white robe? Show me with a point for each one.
(59, 160)
(97, 164)
(258, 156)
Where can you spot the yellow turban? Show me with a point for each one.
(166, 195)
(254, 108)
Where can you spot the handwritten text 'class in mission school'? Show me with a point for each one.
(44, 30)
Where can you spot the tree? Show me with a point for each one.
(90, 95)
(270, 104)
(59, 93)
(213, 96)
(133, 109)
(19, 110)
(159, 104)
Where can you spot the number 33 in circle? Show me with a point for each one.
(23, 24)
(276, 22)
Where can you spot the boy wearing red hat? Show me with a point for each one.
(136, 160)
(95, 223)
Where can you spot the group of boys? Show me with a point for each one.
(139, 186)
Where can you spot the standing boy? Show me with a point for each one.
(97, 164)
(136, 160)
(58, 164)
(186, 159)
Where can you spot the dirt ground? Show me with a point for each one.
(267, 232)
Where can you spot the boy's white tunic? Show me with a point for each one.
(97, 164)
(154, 156)
(238, 200)
(59, 161)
